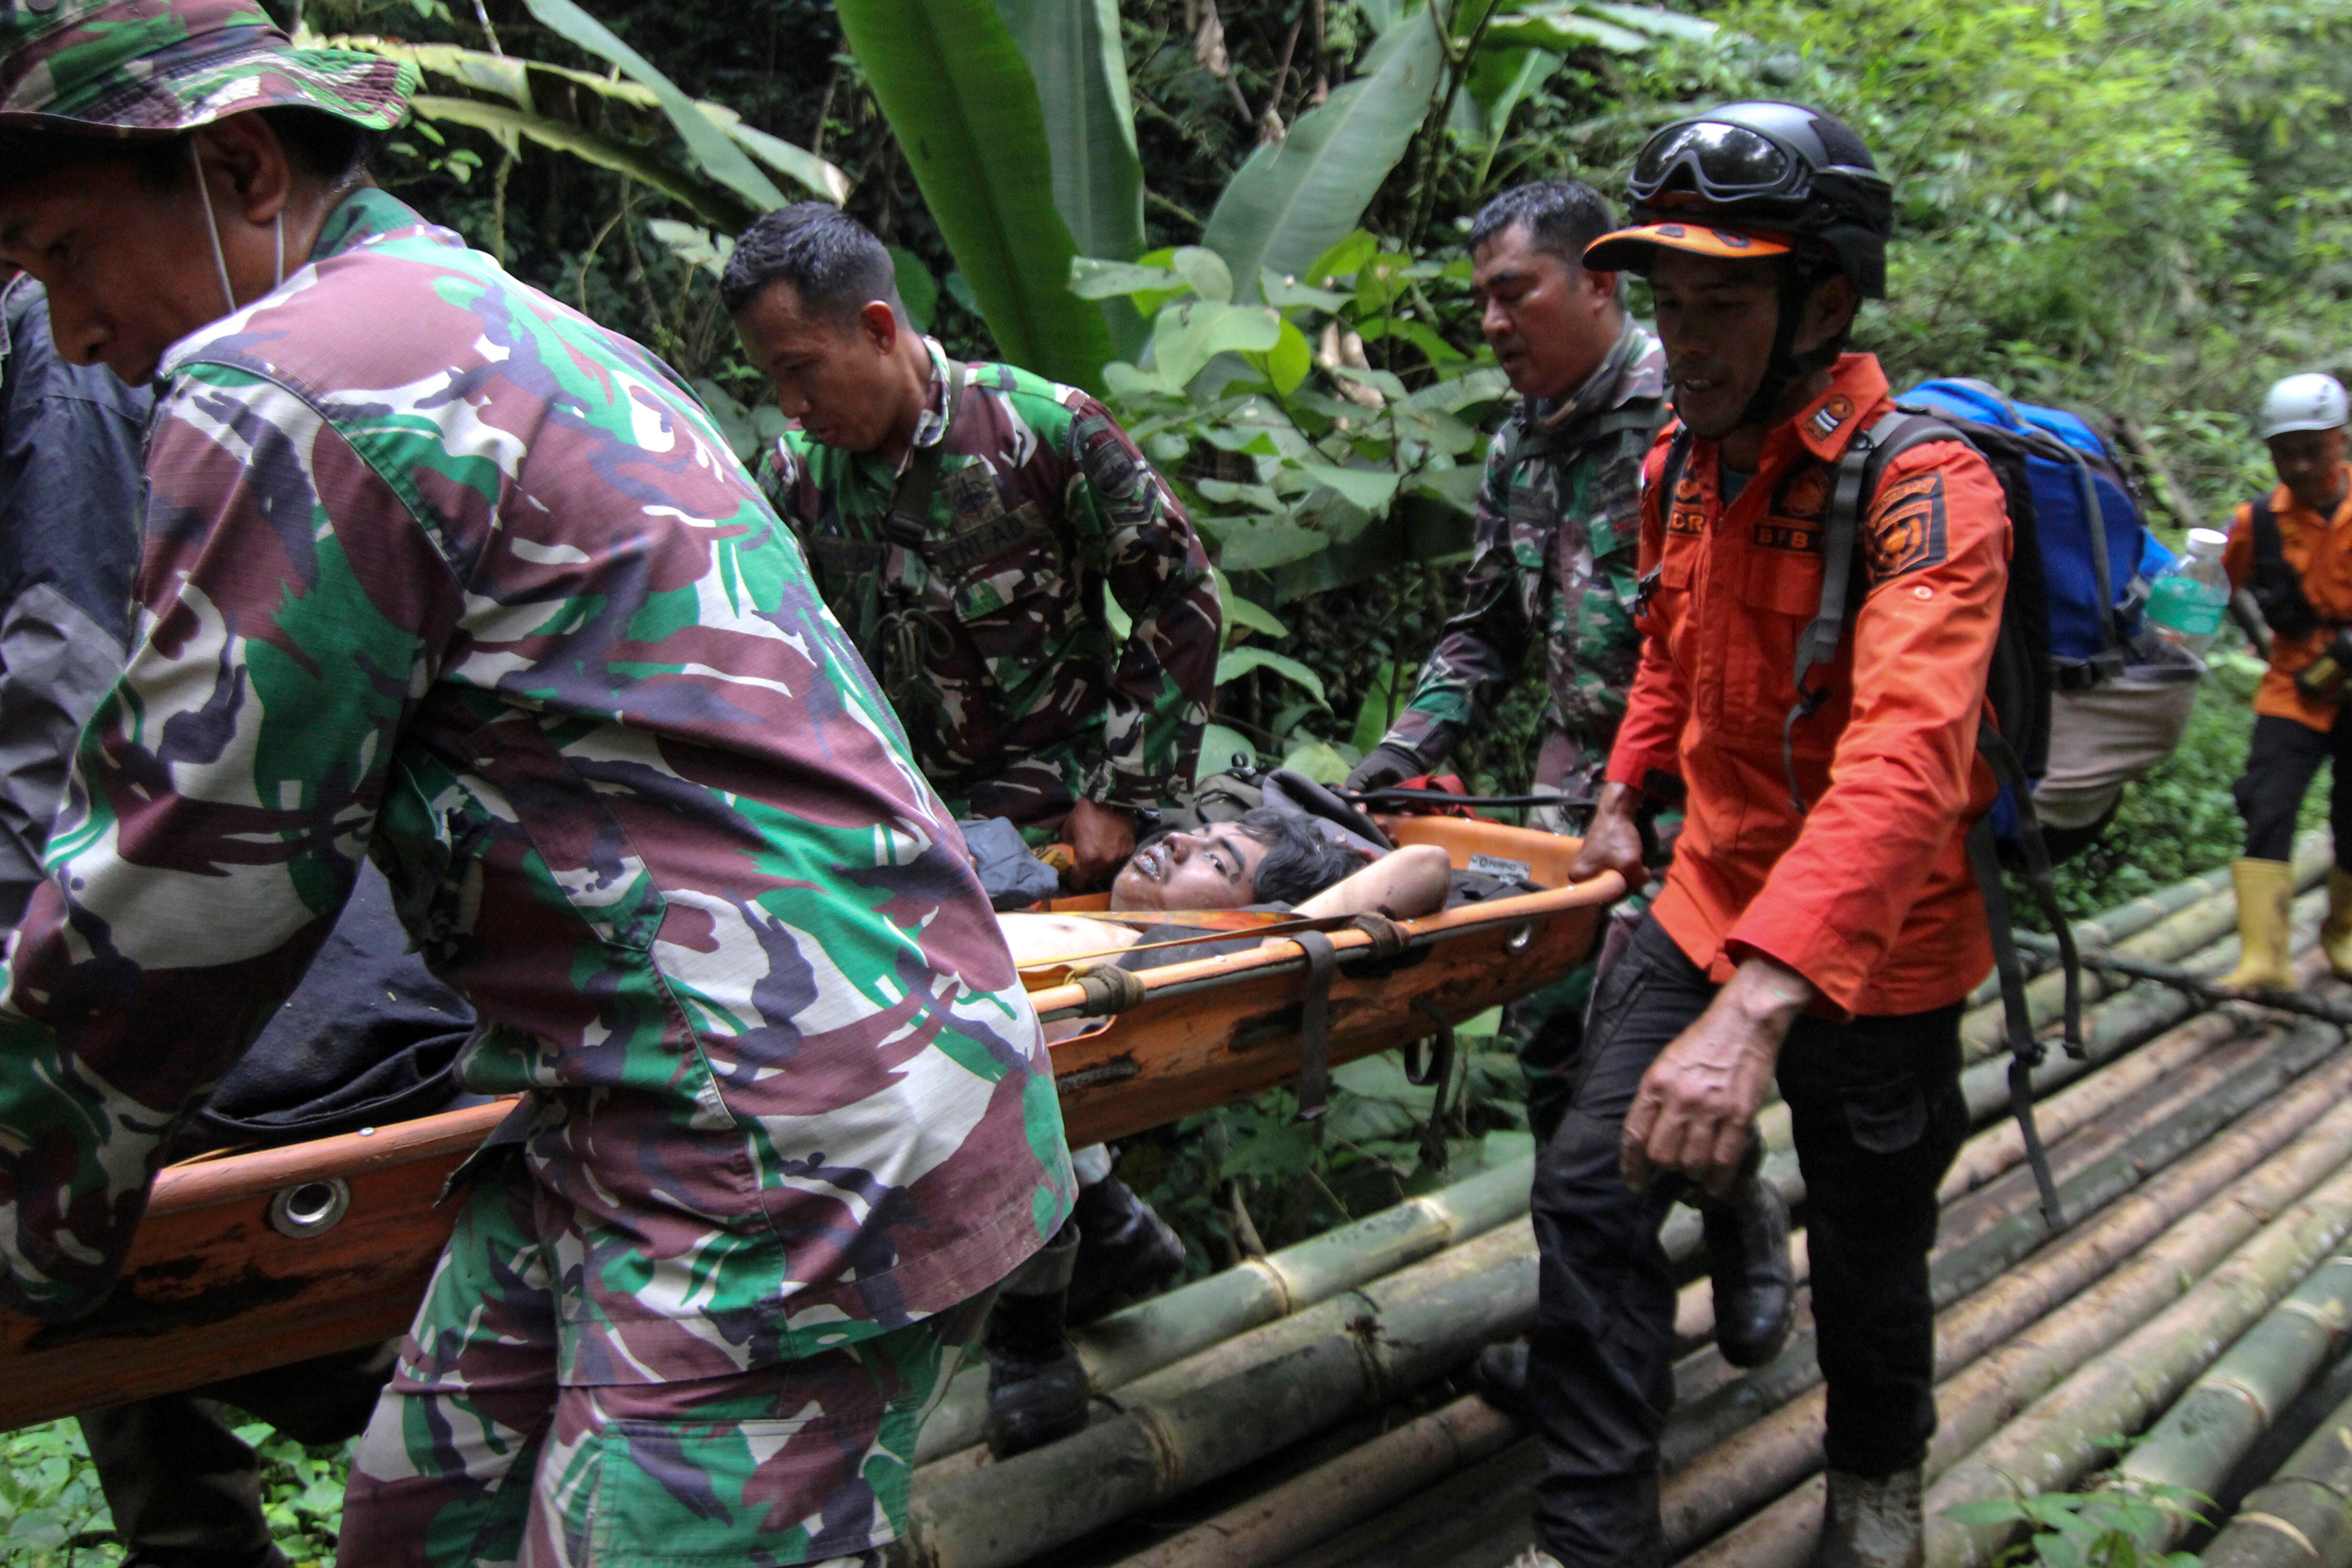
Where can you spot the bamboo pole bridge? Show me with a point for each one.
(1310, 1409)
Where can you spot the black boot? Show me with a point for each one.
(1128, 1251)
(1872, 1522)
(1748, 1261)
(1037, 1391)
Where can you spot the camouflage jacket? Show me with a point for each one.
(440, 572)
(1559, 522)
(1042, 503)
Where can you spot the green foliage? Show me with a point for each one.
(2089, 1529)
(1282, 451)
(1298, 197)
(1250, 1176)
(52, 1514)
(966, 112)
(697, 154)
(1073, 50)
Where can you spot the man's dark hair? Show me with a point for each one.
(833, 262)
(1300, 861)
(326, 146)
(1561, 217)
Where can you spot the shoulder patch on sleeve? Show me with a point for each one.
(1906, 528)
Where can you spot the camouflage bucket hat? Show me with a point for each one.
(156, 68)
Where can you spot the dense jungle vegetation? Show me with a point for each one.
(2137, 207)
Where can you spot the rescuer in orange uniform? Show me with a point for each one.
(2293, 548)
(1832, 941)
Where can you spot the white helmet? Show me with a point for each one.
(2308, 402)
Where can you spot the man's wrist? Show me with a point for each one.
(1617, 800)
(1768, 992)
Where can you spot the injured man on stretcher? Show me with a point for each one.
(1303, 851)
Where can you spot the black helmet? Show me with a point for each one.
(1756, 179)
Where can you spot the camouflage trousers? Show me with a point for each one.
(477, 1456)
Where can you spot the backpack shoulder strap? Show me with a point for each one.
(1532, 441)
(1855, 482)
(1670, 478)
(1859, 472)
(2270, 544)
(908, 519)
(2110, 659)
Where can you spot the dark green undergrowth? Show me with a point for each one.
(52, 1514)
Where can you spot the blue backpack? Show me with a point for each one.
(2065, 472)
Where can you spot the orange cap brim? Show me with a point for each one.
(1627, 250)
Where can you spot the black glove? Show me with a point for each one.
(1382, 766)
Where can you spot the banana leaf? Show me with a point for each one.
(798, 164)
(717, 151)
(965, 109)
(508, 78)
(1072, 48)
(1297, 198)
(1500, 80)
(1654, 19)
(1080, 72)
(717, 207)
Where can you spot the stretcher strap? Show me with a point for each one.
(1110, 989)
(1315, 1026)
(1388, 939)
(2025, 1052)
(1439, 1072)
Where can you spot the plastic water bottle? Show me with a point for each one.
(2186, 603)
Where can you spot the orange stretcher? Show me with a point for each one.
(253, 1260)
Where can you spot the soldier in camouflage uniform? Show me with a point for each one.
(1560, 510)
(439, 572)
(965, 520)
(1559, 525)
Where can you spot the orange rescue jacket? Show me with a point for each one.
(2320, 549)
(1868, 894)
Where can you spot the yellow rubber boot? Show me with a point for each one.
(2335, 933)
(2265, 888)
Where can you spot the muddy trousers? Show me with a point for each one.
(2280, 762)
(478, 1453)
(1877, 1113)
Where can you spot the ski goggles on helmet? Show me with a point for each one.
(1724, 162)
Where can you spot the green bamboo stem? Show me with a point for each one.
(1238, 1356)
(2169, 941)
(2001, 1148)
(2112, 1024)
(1361, 1480)
(1985, 1232)
(1310, 1508)
(2302, 1518)
(2239, 1075)
(2126, 1021)
(2133, 915)
(2127, 920)
(1330, 1499)
(2209, 1428)
(2110, 1029)
(1159, 1333)
(1365, 1347)
(2058, 1439)
(2310, 1120)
